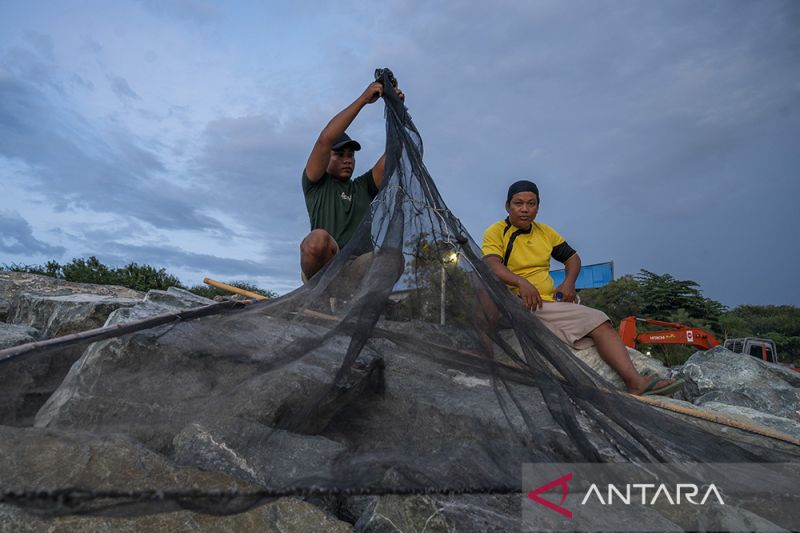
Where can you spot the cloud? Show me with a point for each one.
(16, 237)
(77, 165)
(172, 257)
(122, 89)
(201, 12)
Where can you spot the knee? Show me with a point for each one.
(317, 244)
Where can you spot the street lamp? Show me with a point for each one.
(452, 257)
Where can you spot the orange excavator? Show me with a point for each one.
(683, 334)
(679, 334)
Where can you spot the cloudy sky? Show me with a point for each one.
(663, 135)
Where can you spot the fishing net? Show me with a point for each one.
(403, 367)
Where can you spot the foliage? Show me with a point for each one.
(781, 323)
(662, 297)
(435, 265)
(619, 299)
(134, 276)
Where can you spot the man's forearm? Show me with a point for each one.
(501, 271)
(339, 124)
(572, 268)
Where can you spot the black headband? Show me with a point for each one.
(522, 186)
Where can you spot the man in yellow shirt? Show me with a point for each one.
(518, 251)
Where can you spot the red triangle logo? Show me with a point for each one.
(560, 482)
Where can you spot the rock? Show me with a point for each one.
(19, 400)
(270, 457)
(28, 382)
(395, 514)
(490, 513)
(43, 459)
(721, 376)
(174, 385)
(13, 283)
(177, 298)
(646, 366)
(780, 424)
(14, 334)
(55, 316)
(286, 515)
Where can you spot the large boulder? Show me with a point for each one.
(28, 382)
(31, 380)
(42, 459)
(58, 315)
(14, 283)
(286, 515)
(169, 385)
(719, 376)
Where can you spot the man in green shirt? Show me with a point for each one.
(336, 204)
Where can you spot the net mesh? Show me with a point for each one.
(403, 367)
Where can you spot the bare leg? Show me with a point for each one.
(316, 250)
(613, 352)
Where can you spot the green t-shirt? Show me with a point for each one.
(338, 207)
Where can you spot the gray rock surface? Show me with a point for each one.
(257, 453)
(228, 396)
(746, 415)
(58, 315)
(13, 283)
(174, 387)
(27, 383)
(286, 515)
(14, 334)
(487, 513)
(719, 376)
(60, 310)
(42, 459)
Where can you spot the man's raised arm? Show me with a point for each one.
(378, 167)
(317, 162)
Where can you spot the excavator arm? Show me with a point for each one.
(679, 334)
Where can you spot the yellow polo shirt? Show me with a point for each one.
(526, 254)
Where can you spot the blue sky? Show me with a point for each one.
(662, 135)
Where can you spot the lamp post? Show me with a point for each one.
(452, 257)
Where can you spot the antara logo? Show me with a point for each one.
(628, 494)
(560, 482)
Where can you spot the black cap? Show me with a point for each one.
(344, 141)
(522, 186)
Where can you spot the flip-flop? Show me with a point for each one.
(663, 391)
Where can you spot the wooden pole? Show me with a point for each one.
(231, 288)
(96, 334)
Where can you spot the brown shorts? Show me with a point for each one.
(571, 322)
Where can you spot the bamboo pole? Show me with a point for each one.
(231, 288)
(718, 419)
(96, 334)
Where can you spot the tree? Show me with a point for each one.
(144, 277)
(618, 299)
(134, 276)
(434, 266)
